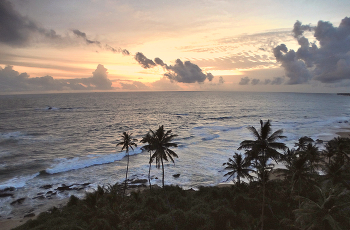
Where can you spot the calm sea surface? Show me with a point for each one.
(55, 139)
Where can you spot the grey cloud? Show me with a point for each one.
(17, 30)
(244, 81)
(277, 81)
(144, 61)
(255, 81)
(159, 61)
(296, 70)
(13, 81)
(221, 80)
(328, 63)
(185, 72)
(83, 35)
(118, 50)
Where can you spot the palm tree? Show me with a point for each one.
(238, 166)
(160, 143)
(127, 142)
(148, 139)
(330, 211)
(312, 155)
(263, 148)
(303, 142)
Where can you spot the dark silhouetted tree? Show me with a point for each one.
(127, 142)
(239, 167)
(263, 148)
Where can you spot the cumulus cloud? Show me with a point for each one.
(244, 81)
(13, 81)
(327, 62)
(255, 81)
(221, 80)
(17, 30)
(185, 72)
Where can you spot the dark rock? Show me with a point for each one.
(39, 197)
(51, 193)
(86, 184)
(176, 175)
(6, 195)
(9, 189)
(18, 201)
(46, 186)
(40, 193)
(29, 215)
(139, 181)
(156, 178)
(64, 188)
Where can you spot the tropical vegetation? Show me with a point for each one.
(311, 191)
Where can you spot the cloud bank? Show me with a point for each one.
(254, 81)
(13, 81)
(327, 62)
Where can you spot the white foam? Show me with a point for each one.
(75, 163)
(12, 135)
(18, 182)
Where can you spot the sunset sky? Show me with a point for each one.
(264, 45)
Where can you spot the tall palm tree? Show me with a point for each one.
(127, 142)
(263, 148)
(160, 143)
(148, 147)
(239, 167)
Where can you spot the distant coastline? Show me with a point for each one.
(344, 94)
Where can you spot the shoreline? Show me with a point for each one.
(8, 224)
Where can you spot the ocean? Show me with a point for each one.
(51, 140)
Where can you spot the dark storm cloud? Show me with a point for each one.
(143, 61)
(17, 30)
(13, 81)
(327, 62)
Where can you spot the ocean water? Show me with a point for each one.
(55, 139)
